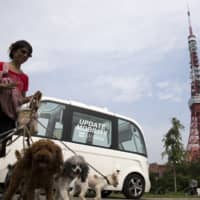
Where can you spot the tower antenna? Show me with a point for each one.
(193, 146)
(189, 20)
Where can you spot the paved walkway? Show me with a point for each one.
(185, 198)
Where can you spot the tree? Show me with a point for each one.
(173, 146)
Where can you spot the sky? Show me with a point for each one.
(130, 56)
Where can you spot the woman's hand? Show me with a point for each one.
(26, 99)
(7, 85)
(36, 95)
(10, 85)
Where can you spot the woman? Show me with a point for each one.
(19, 52)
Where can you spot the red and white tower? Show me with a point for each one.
(193, 147)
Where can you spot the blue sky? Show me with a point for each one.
(130, 56)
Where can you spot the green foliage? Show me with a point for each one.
(173, 146)
(184, 172)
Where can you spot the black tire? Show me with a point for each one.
(105, 193)
(90, 193)
(134, 186)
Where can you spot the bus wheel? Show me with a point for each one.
(106, 193)
(134, 186)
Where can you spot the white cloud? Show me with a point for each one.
(171, 91)
(124, 89)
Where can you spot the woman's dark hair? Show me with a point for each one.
(18, 45)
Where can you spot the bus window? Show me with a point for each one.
(50, 117)
(130, 138)
(92, 130)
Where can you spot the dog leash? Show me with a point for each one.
(5, 135)
(22, 132)
(76, 154)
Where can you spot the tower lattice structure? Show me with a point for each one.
(193, 146)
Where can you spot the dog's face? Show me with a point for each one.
(45, 154)
(76, 166)
(42, 157)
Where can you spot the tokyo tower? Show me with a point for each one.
(193, 146)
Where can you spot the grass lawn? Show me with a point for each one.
(149, 195)
(170, 195)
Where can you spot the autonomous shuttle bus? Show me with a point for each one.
(107, 141)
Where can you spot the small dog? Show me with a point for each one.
(74, 167)
(10, 169)
(97, 183)
(36, 170)
(27, 116)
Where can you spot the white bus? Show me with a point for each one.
(105, 139)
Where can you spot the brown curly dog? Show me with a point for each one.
(36, 170)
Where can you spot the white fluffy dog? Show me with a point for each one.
(94, 182)
(74, 167)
